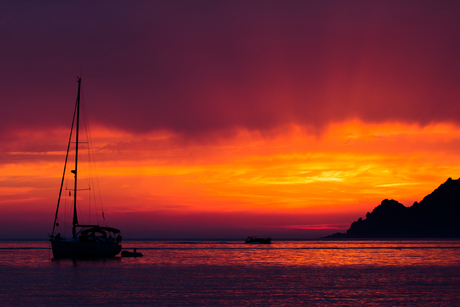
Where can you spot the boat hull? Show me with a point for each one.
(131, 254)
(254, 240)
(76, 249)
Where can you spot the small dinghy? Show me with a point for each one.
(134, 253)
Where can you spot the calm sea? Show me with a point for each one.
(288, 273)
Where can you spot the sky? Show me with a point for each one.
(213, 119)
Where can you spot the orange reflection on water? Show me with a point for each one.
(287, 254)
(305, 253)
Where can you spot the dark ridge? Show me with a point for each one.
(436, 216)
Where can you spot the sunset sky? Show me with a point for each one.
(213, 119)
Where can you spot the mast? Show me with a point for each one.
(75, 219)
(63, 174)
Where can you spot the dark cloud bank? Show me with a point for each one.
(206, 66)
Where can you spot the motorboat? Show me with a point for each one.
(257, 240)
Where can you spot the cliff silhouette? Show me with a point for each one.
(436, 216)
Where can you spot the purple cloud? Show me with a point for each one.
(204, 66)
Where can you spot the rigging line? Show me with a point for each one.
(65, 165)
(88, 173)
(75, 216)
(65, 226)
(79, 209)
(91, 157)
(91, 162)
(98, 186)
(64, 214)
(89, 208)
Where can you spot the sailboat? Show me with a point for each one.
(86, 240)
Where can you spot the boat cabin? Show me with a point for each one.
(99, 234)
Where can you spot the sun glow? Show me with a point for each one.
(349, 167)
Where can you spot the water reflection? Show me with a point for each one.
(307, 253)
(233, 253)
(354, 273)
(75, 262)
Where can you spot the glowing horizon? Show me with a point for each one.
(348, 169)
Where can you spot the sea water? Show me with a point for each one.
(231, 273)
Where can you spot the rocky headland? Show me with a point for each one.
(436, 216)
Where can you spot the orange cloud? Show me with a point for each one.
(349, 168)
